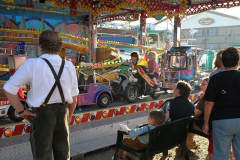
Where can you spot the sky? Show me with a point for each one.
(234, 11)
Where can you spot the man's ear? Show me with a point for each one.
(178, 91)
(153, 120)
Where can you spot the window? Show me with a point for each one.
(203, 60)
(212, 32)
(177, 61)
(200, 33)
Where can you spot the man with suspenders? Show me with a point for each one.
(52, 98)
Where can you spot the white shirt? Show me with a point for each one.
(36, 73)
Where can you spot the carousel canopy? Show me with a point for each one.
(128, 10)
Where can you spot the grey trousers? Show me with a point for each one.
(50, 132)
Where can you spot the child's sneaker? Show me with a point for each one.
(155, 87)
(128, 158)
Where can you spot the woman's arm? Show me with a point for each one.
(197, 112)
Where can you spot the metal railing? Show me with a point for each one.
(12, 51)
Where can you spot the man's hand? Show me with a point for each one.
(205, 128)
(147, 70)
(71, 107)
(27, 114)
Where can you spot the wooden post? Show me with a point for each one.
(62, 53)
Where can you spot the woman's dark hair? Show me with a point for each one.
(50, 42)
(184, 89)
(230, 57)
(217, 60)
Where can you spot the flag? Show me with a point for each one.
(143, 62)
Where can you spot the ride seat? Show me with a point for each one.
(81, 83)
(89, 81)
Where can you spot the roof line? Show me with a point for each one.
(224, 15)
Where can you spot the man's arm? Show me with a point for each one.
(72, 107)
(166, 117)
(207, 112)
(16, 103)
(18, 80)
(166, 110)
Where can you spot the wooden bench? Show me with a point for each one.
(161, 139)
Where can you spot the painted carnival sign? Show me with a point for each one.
(205, 21)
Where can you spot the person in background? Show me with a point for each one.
(52, 98)
(83, 59)
(180, 106)
(155, 118)
(226, 117)
(153, 68)
(197, 125)
(217, 64)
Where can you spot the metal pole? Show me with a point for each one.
(177, 29)
(90, 26)
(142, 29)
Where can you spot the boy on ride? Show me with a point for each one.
(155, 118)
(153, 68)
(134, 59)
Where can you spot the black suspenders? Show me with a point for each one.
(57, 82)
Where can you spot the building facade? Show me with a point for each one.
(213, 29)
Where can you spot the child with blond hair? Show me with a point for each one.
(153, 68)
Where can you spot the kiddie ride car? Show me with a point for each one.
(91, 92)
(182, 66)
(140, 84)
(6, 71)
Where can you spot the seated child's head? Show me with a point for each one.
(152, 56)
(156, 117)
(134, 56)
(183, 89)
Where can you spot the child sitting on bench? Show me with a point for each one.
(155, 118)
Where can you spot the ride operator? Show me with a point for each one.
(52, 98)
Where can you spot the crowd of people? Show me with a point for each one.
(219, 107)
(50, 111)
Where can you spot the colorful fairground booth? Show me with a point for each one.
(21, 23)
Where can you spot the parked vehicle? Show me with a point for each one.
(6, 72)
(92, 92)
